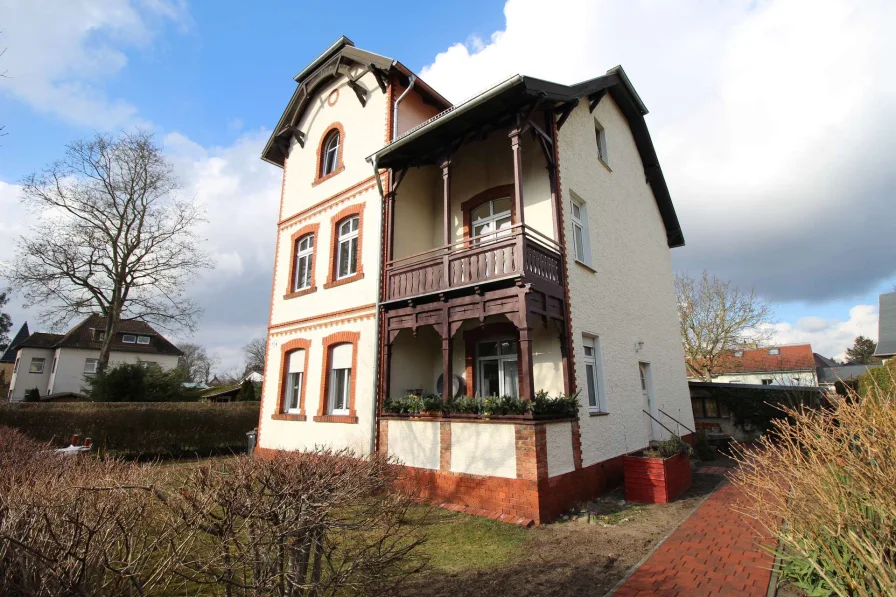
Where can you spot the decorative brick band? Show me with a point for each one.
(336, 418)
(316, 318)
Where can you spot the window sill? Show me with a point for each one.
(335, 419)
(342, 281)
(298, 293)
(288, 417)
(597, 413)
(326, 177)
(586, 266)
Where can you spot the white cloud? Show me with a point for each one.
(60, 52)
(830, 337)
(773, 121)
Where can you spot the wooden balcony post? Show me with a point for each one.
(446, 219)
(527, 383)
(447, 350)
(517, 176)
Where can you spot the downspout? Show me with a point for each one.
(379, 289)
(413, 80)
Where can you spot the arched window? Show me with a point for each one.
(304, 262)
(295, 372)
(340, 373)
(330, 154)
(347, 247)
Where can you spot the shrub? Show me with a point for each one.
(32, 395)
(139, 429)
(879, 379)
(247, 391)
(704, 451)
(139, 382)
(561, 405)
(830, 474)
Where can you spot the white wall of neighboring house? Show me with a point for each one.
(626, 298)
(806, 378)
(23, 380)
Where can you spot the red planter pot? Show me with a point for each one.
(656, 480)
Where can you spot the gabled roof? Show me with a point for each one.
(797, 357)
(886, 326)
(81, 336)
(426, 143)
(9, 355)
(338, 60)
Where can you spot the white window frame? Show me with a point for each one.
(90, 366)
(600, 134)
(580, 223)
(774, 352)
(330, 158)
(502, 359)
(305, 255)
(37, 360)
(293, 390)
(347, 375)
(350, 237)
(143, 340)
(492, 220)
(124, 339)
(147, 364)
(595, 361)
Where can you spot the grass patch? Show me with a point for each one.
(459, 542)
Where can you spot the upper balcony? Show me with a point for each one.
(513, 252)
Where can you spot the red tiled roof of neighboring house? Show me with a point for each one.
(797, 357)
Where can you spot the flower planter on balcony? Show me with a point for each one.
(656, 480)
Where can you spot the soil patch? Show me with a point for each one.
(568, 557)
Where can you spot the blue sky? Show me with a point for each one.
(777, 167)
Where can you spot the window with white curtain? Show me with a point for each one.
(594, 374)
(340, 379)
(347, 249)
(304, 257)
(295, 372)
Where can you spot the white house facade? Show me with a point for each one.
(514, 245)
(57, 365)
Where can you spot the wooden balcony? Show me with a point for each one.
(515, 252)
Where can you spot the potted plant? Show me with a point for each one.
(658, 475)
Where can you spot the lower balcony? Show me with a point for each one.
(515, 252)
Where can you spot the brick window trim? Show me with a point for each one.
(329, 342)
(346, 212)
(473, 337)
(340, 166)
(467, 207)
(294, 243)
(285, 350)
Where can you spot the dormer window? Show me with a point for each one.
(98, 335)
(330, 157)
(129, 339)
(142, 339)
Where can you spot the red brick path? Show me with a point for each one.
(714, 552)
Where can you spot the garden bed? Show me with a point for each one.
(656, 480)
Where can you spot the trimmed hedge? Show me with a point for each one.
(139, 429)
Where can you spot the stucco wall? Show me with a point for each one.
(417, 213)
(415, 443)
(69, 375)
(482, 449)
(416, 361)
(629, 298)
(559, 448)
(22, 380)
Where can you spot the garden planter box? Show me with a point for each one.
(656, 480)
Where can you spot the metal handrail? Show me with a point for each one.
(658, 421)
(676, 420)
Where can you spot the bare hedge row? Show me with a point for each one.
(139, 429)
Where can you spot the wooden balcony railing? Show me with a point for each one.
(515, 251)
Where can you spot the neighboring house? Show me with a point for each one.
(8, 357)
(56, 364)
(457, 253)
(787, 365)
(829, 376)
(228, 393)
(886, 331)
(253, 375)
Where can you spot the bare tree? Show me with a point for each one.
(717, 318)
(255, 350)
(111, 235)
(195, 364)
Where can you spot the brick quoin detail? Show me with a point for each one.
(576, 444)
(320, 149)
(285, 350)
(329, 342)
(445, 446)
(564, 255)
(294, 243)
(351, 210)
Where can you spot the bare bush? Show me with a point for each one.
(297, 524)
(830, 475)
